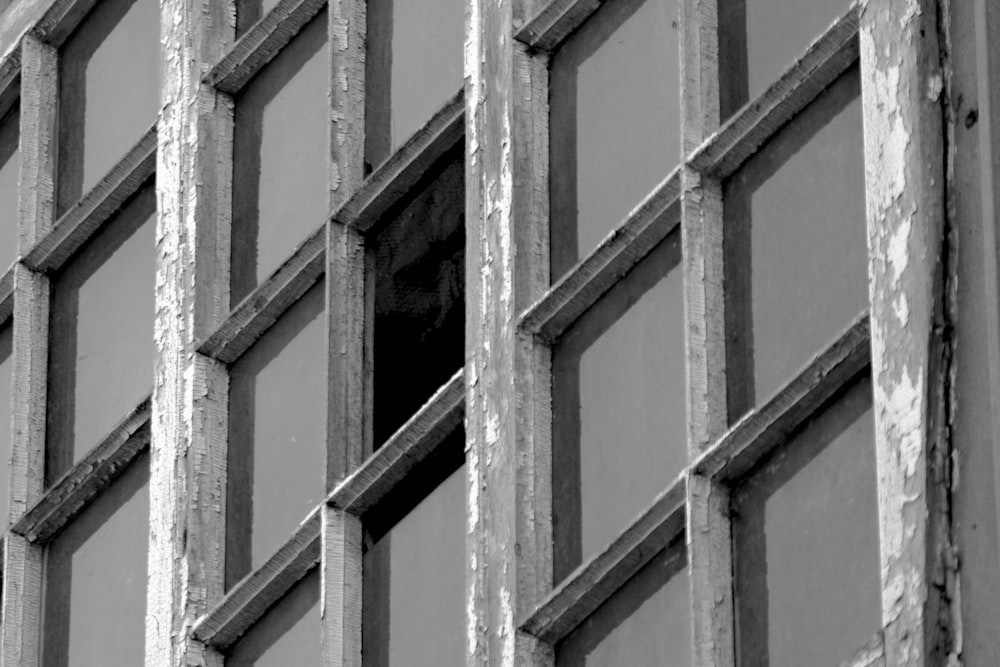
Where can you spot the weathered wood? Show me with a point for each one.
(825, 60)
(101, 466)
(190, 396)
(6, 296)
(652, 221)
(22, 575)
(10, 81)
(261, 43)
(412, 443)
(247, 601)
(86, 218)
(342, 585)
(911, 283)
(753, 436)
(395, 178)
(591, 584)
(870, 655)
(269, 301)
(60, 19)
(555, 22)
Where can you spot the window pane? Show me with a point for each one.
(414, 65)
(109, 91)
(645, 623)
(101, 334)
(796, 240)
(419, 300)
(287, 635)
(6, 414)
(807, 543)
(414, 585)
(277, 434)
(102, 550)
(610, 148)
(619, 434)
(281, 186)
(10, 169)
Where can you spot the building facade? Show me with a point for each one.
(500, 332)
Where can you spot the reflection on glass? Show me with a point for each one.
(414, 585)
(419, 300)
(277, 434)
(102, 550)
(807, 543)
(289, 633)
(109, 91)
(10, 169)
(414, 65)
(101, 334)
(281, 185)
(645, 623)
(619, 433)
(760, 39)
(614, 120)
(6, 413)
(796, 245)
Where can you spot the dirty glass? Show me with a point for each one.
(614, 121)
(104, 549)
(806, 539)
(618, 392)
(6, 412)
(646, 622)
(281, 184)
(760, 39)
(101, 334)
(419, 299)
(414, 584)
(796, 245)
(10, 170)
(414, 65)
(288, 635)
(109, 91)
(277, 434)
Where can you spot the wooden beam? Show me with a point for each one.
(60, 19)
(7, 295)
(10, 81)
(555, 22)
(912, 268)
(871, 654)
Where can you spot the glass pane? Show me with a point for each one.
(414, 65)
(611, 149)
(796, 240)
(6, 414)
(646, 623)
(102, 550)
(248, 12)
(101, 334)
(109, 91)
(10, 170)
(619, 433)
(277, 434)
(289, 633)
(760, 39)
(414, 585)
(806, 538)
(281, 186)
(419, 300)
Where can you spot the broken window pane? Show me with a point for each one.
(101, 334)
(10, 170)
(619, 428)
(103, 549)
(796, 246)
(277, 434)
(608, 150)
(281, 176)
(646, 622)
(109, 91)
(806, 542)
(6, 413)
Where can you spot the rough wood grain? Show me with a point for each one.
(758, 432)
(60, 19)
(86, 218)
(651, 222)
(6, 296)
(591, 584)
(395, 178)
(248, 600)
(10, 80)
(710, 563)
(69, 496)
(342, 585)
(904, 74)
(261, 43)
(411, 444)
(825, 60)
(555, 22)
(871, 654)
